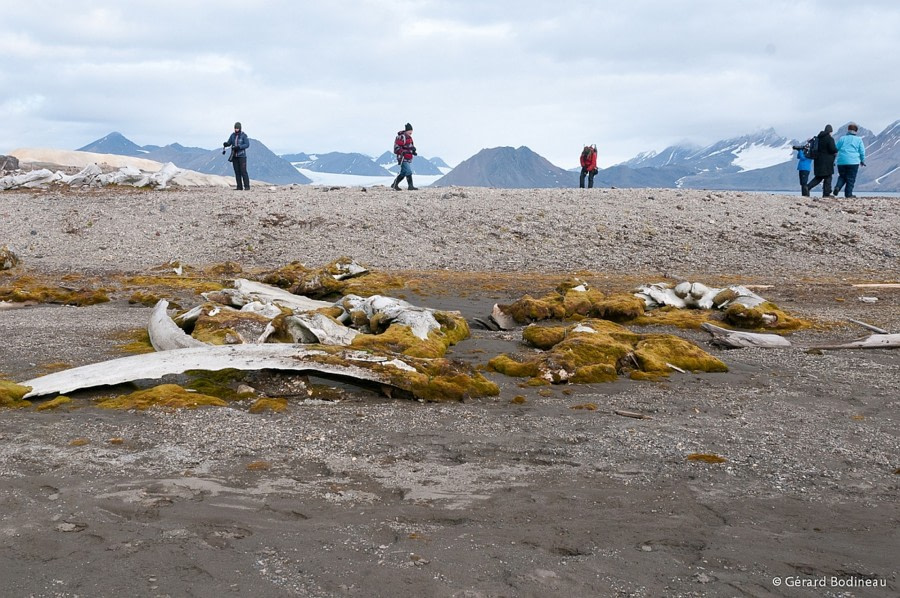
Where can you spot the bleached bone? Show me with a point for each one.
(356, 366)
(420, 320)
(501, 319)
(165, 335)
(268, 293)
(874, 341)
(318, 328)
(348, 270)
(735, 339)
(694, 295)
(874, 329)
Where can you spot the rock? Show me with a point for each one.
(8, 259)
(9, 163)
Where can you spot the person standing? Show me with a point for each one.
(851, 155)
(404, 149)
(804, 165)
(588, 165)
(823, 162)
(239, 142)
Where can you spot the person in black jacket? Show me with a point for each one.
(239, 142)
(823, 163)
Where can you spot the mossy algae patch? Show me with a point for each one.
(169, 396)
(765, 316)
(333, 279)
(599, 351)
(39, 289)
(12, 395)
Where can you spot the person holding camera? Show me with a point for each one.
(239, 142)
(588, 165)
(404, 149)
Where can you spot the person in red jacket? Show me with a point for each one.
(404, 149)
(588, 165)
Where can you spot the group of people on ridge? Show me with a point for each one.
(849, 152)
(404, 149)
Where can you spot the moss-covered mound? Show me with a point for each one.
(398, 338)
(339, 277)
(765, 316)
(222, 326)
(600, 351)
(40, 290)
(170, 396)
(574, 303)
(11, 395)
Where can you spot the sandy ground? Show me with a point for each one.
(366, 496)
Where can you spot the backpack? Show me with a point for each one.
(811, 148)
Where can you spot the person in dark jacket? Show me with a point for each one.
(823, 164)
(239, 142)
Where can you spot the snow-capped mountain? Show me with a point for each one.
(749, 152)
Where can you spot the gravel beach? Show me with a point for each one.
(541, 496)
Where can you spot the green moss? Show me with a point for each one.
(286, 276)
(398, 338)
(598, 351)
(543, 337)
(754, 318)
(656, 351)
(53, 403)
(373, 283)
(144, 298)
(28, 288)
(591, 374)
(580, 302)
(220, 384)
(528, 309)
(12, 395)
(621, 307)
(266, 404)
(453, 326)
(170, 396)
(505, 364)
(706, 458)
(228, 327)
(686, 319)
(135, 341)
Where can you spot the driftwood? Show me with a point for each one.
(355, 366)
(631, 414)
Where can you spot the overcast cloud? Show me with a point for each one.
(628, 75)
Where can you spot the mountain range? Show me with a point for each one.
(264, 164)
(762, 161)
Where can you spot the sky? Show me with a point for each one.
(318, 76)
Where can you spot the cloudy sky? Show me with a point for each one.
(319, 76)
